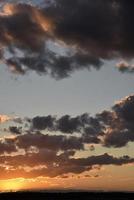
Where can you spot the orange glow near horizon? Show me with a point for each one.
(19, 184)
(11, 184)
(108, 179)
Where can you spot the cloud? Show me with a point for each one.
(19, 23)
(55, 142)
(38, 141)
(92, 148)
(66, 124)
(4, 118)
(123, 66)
(49, 146)
(28, 28)
(103, 29)
(104, 159)
(7, 146)
(48, 62)
(15, 130)
(111, 128)
(102, 32)
(118, 124)
(42, 123)
(88, 127)
(55, 165)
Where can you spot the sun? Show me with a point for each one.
(12, 185)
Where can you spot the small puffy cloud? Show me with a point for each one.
(123, 66)
(15, 130)
(4, 118)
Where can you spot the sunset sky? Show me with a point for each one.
(67, 94)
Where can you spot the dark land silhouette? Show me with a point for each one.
(67, 195)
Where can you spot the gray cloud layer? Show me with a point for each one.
(110, 128)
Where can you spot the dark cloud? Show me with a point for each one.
(54, 165)
(125, 109)
(55, 142)
(47, 62)
(103, 31)
(15, 130)
(66, 124)
(104, 28)
(88, 127)
(92, 148)
(34, 153)
(94, 29)
(20, 28)
(42, 123)
(43, 157)
(118, 138)
(29, 29)
(119, 123)
(7, 146)
(113, 127)
(104, 159)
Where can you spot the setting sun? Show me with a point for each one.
(11, 185)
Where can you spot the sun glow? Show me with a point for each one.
(11, 185)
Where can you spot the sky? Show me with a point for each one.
(67, 100)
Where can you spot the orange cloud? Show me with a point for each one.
(4, 118)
